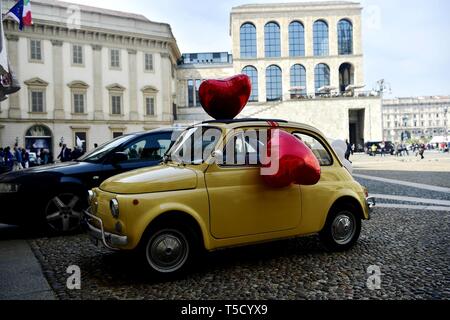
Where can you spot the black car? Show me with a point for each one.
(54, 196)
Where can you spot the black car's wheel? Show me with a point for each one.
(168, 250)
(342, 229)
(63, 212)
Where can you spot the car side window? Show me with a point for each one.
(317, 148)
(244, 149)
(148, 148)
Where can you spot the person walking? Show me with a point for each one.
(422, 151)
(348, 151)
(25, 159)
(17, 159)
(65, 153)
(2, 157)
(382, 148)
(374, 149)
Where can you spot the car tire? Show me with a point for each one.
(168, 250)
(342, 229)
(63, 212)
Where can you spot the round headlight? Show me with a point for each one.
(91, 196)
(114, 205)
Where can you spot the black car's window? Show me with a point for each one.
(149, 148)
(317, 148)
(103, 150)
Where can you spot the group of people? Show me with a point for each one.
(14, 159)
(18, 158)
(67, 154)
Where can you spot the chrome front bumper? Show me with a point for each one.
(371, 204)
(109, 240)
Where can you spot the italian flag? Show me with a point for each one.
(21, 12)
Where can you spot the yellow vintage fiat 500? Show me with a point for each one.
(209, 194)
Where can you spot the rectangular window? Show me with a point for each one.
(116, 105)
(36, 50)
(150, 106)
(197, 91)
(37, 101)
(115, 58)
(77, 54)
(78, 103)
(148, 62)
(81, 141)
(190, 93)
(117, 134)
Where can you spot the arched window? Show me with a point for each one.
(248, 41)
(296, 39)
(272, 40)
(298, 81)
(252, 73)
(320, 38)
(346, 76)
(345, 37)
(322, 76)
(274, 86)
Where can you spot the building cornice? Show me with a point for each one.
(54, 31)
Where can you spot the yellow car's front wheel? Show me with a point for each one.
(342, 229)
(168, 249)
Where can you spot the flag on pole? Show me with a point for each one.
(21, 13)
(4, 66)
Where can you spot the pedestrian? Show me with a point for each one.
(65, 153)
(17, 159)
(25, 159)
(374, 149)
(76, 153)
(422, 151)
(348, 151)
(382, 148)
(353, 149)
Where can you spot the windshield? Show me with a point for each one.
(97, 154)
(195, 145)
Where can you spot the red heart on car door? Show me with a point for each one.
(291, 161)
(225, 99)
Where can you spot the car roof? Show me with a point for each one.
(158, 130)
(250, 122)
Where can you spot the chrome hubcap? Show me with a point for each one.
(64, 213)
(343, 229)
(167, 251)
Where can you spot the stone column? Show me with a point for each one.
(167, 111)
(132, 75)
(58, 79)
(98, 82)
(13, 55)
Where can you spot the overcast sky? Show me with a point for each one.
(406, 42)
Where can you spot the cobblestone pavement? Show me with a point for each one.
(410, 246)
(412, 250)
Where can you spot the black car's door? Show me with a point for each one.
(145, 151)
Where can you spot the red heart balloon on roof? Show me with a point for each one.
(225, 99)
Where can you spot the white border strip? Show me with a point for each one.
(411, 207)
(404, 183)
(411, 199)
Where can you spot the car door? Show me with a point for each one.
(145, 151)
(241, 204)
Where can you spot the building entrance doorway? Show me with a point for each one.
(39, 138)
(356, 127)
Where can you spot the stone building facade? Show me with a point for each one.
(305, 61)
(87, 80)
(418, 118)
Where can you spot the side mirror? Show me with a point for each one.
(118, 157)
(217, 156)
